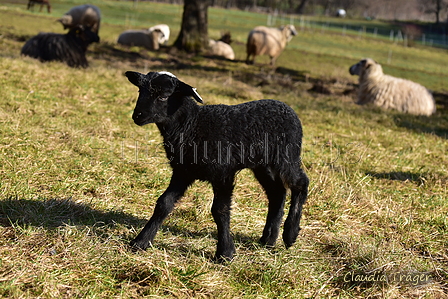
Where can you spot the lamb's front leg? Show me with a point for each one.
(221, 213)
(164, 206)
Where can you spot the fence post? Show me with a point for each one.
(399, 36)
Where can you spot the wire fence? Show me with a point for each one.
(405, 34)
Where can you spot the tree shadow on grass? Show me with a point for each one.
(56, 212)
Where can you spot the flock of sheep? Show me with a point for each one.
(83, 22)
(264, 135)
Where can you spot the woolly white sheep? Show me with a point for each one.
(163, 39)
(141, 38)
(268, 41)
(219, 48)
(390, 92)
(87, 15)
(213, 143)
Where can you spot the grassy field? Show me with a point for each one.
(78, 180)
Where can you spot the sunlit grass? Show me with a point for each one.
(79, 179)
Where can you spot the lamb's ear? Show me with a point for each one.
(187, 90)
(134, 78)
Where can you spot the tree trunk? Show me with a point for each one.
(301, 7)
(438, 9)
(193, 36)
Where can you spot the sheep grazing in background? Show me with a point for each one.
(141, 38)
(214, 142)
(268, 41)
(389, 92)
(163, 39)
(86, 15)
(219, 48)
(31, 3)
(69, 48)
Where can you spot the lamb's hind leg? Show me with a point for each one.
(276, 193)
(221, 214)
(164, 206)
(299, 193)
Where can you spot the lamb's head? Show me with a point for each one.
(160, 95)
(365, 68)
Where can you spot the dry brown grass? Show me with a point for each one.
(79, 180)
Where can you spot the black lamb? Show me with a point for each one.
(69, 48)
(212, 143)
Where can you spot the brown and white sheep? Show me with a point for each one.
(86, 15)
(141, 38)
(268, 41)
(31, 3)
(390, 92)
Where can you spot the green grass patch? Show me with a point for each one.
(78, 180)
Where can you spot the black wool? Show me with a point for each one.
(69, 48)
(212, 143)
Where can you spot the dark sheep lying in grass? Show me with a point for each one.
(212, 143)
(69, 48)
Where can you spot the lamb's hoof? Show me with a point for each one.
(268, 242)
(137, 246)
(289, 241)
(223, 259)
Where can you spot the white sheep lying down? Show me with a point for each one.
(141, 38)
(390, 92)
(268, 41)
(220, 48)
(87, 15)
(165, 29)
